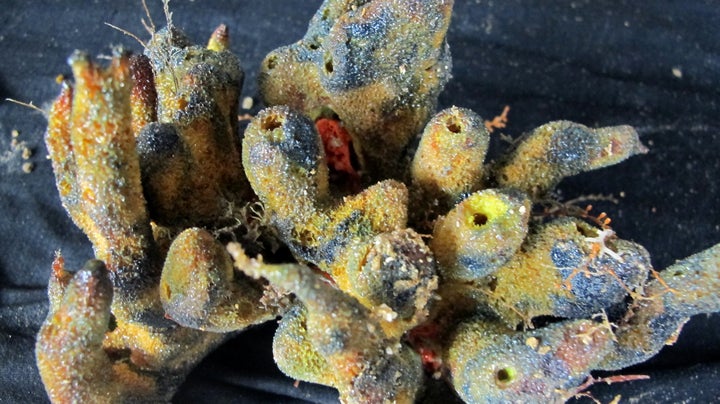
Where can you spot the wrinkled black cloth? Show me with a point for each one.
(654, 65)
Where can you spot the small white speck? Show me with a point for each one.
(677, 72)
(247, 103)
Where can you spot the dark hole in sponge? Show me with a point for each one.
(479, 219)
(505, 375)
(270, 122)
(112, 324)
(453, 126)
(271, 62)
(117, 355)
(584, 231)
(314, 44)
(329, 66)
(492, 285)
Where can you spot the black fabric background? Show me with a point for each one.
(594, 62)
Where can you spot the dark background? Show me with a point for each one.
(654, 65)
